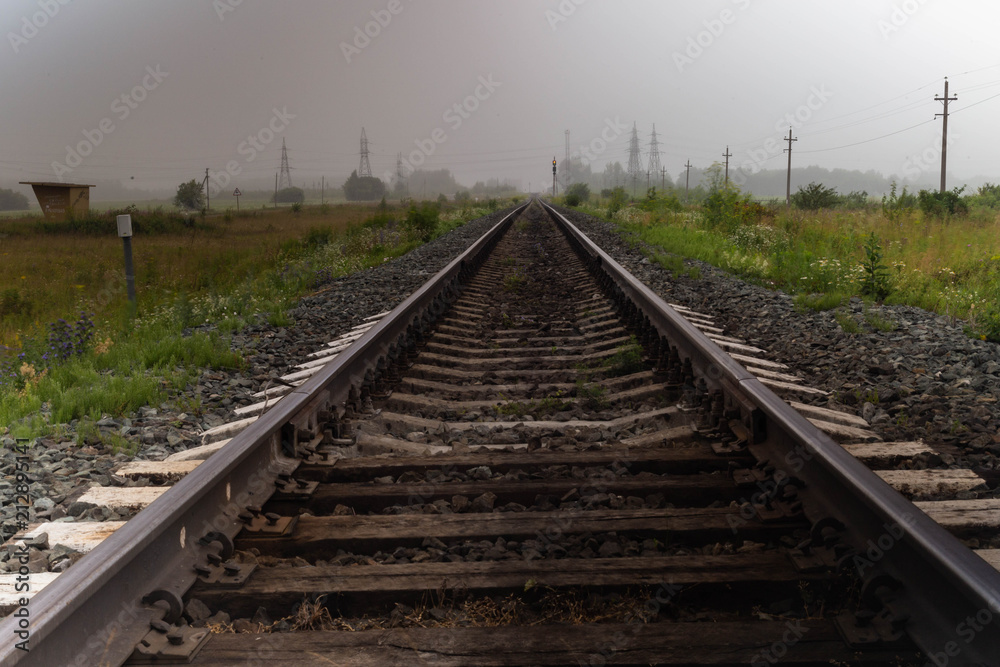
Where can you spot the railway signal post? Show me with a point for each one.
(553, 177)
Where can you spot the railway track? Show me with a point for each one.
(533, 460)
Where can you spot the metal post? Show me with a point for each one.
(129, 270)
(125, 232)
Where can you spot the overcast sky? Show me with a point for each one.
(159, 90)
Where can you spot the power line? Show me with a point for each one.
(868, 141)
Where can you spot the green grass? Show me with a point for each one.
(847, 323)
(135, 361)
(950, 266)
(880, 323)
(626, 360)
(819, 302)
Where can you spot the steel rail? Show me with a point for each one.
(932, 585)
(94, 613)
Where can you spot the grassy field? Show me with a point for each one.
(57, 270)
(75, 350)
(946, 264)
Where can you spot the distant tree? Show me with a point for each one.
(462, 197)
(577, 193)
(12, 201)
(814, 197)
(363, 188)
(190, 195)
(442, 199)
(854, 199)
(289, 196)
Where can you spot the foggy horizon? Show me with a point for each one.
(150, 95)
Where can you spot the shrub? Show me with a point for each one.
(854, 199)
(939, 204)
(876, 278)
(988, 196)
(617, 199)
(289, 196)
(577, 193)
(893, 206)
(814, 197)
(423, 220)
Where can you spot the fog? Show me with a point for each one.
(150, 94)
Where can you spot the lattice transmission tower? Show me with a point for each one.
(634, 157)
(285, 175)
(365, 168)
(654, 155)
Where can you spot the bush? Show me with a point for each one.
(987, 196)
(939, 204)
(875, 282)
(577, 193)
(814, 197)
(854, 199)
(893, 206)
(289, 196)
(617, 199)
(423, 219)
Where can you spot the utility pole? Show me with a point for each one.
(208, 192)
(727, 155)
(647, 180)
(944, 131)
(275, 189)
(788, 179)
(322, 190)
(663, 178)
(687, 179)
